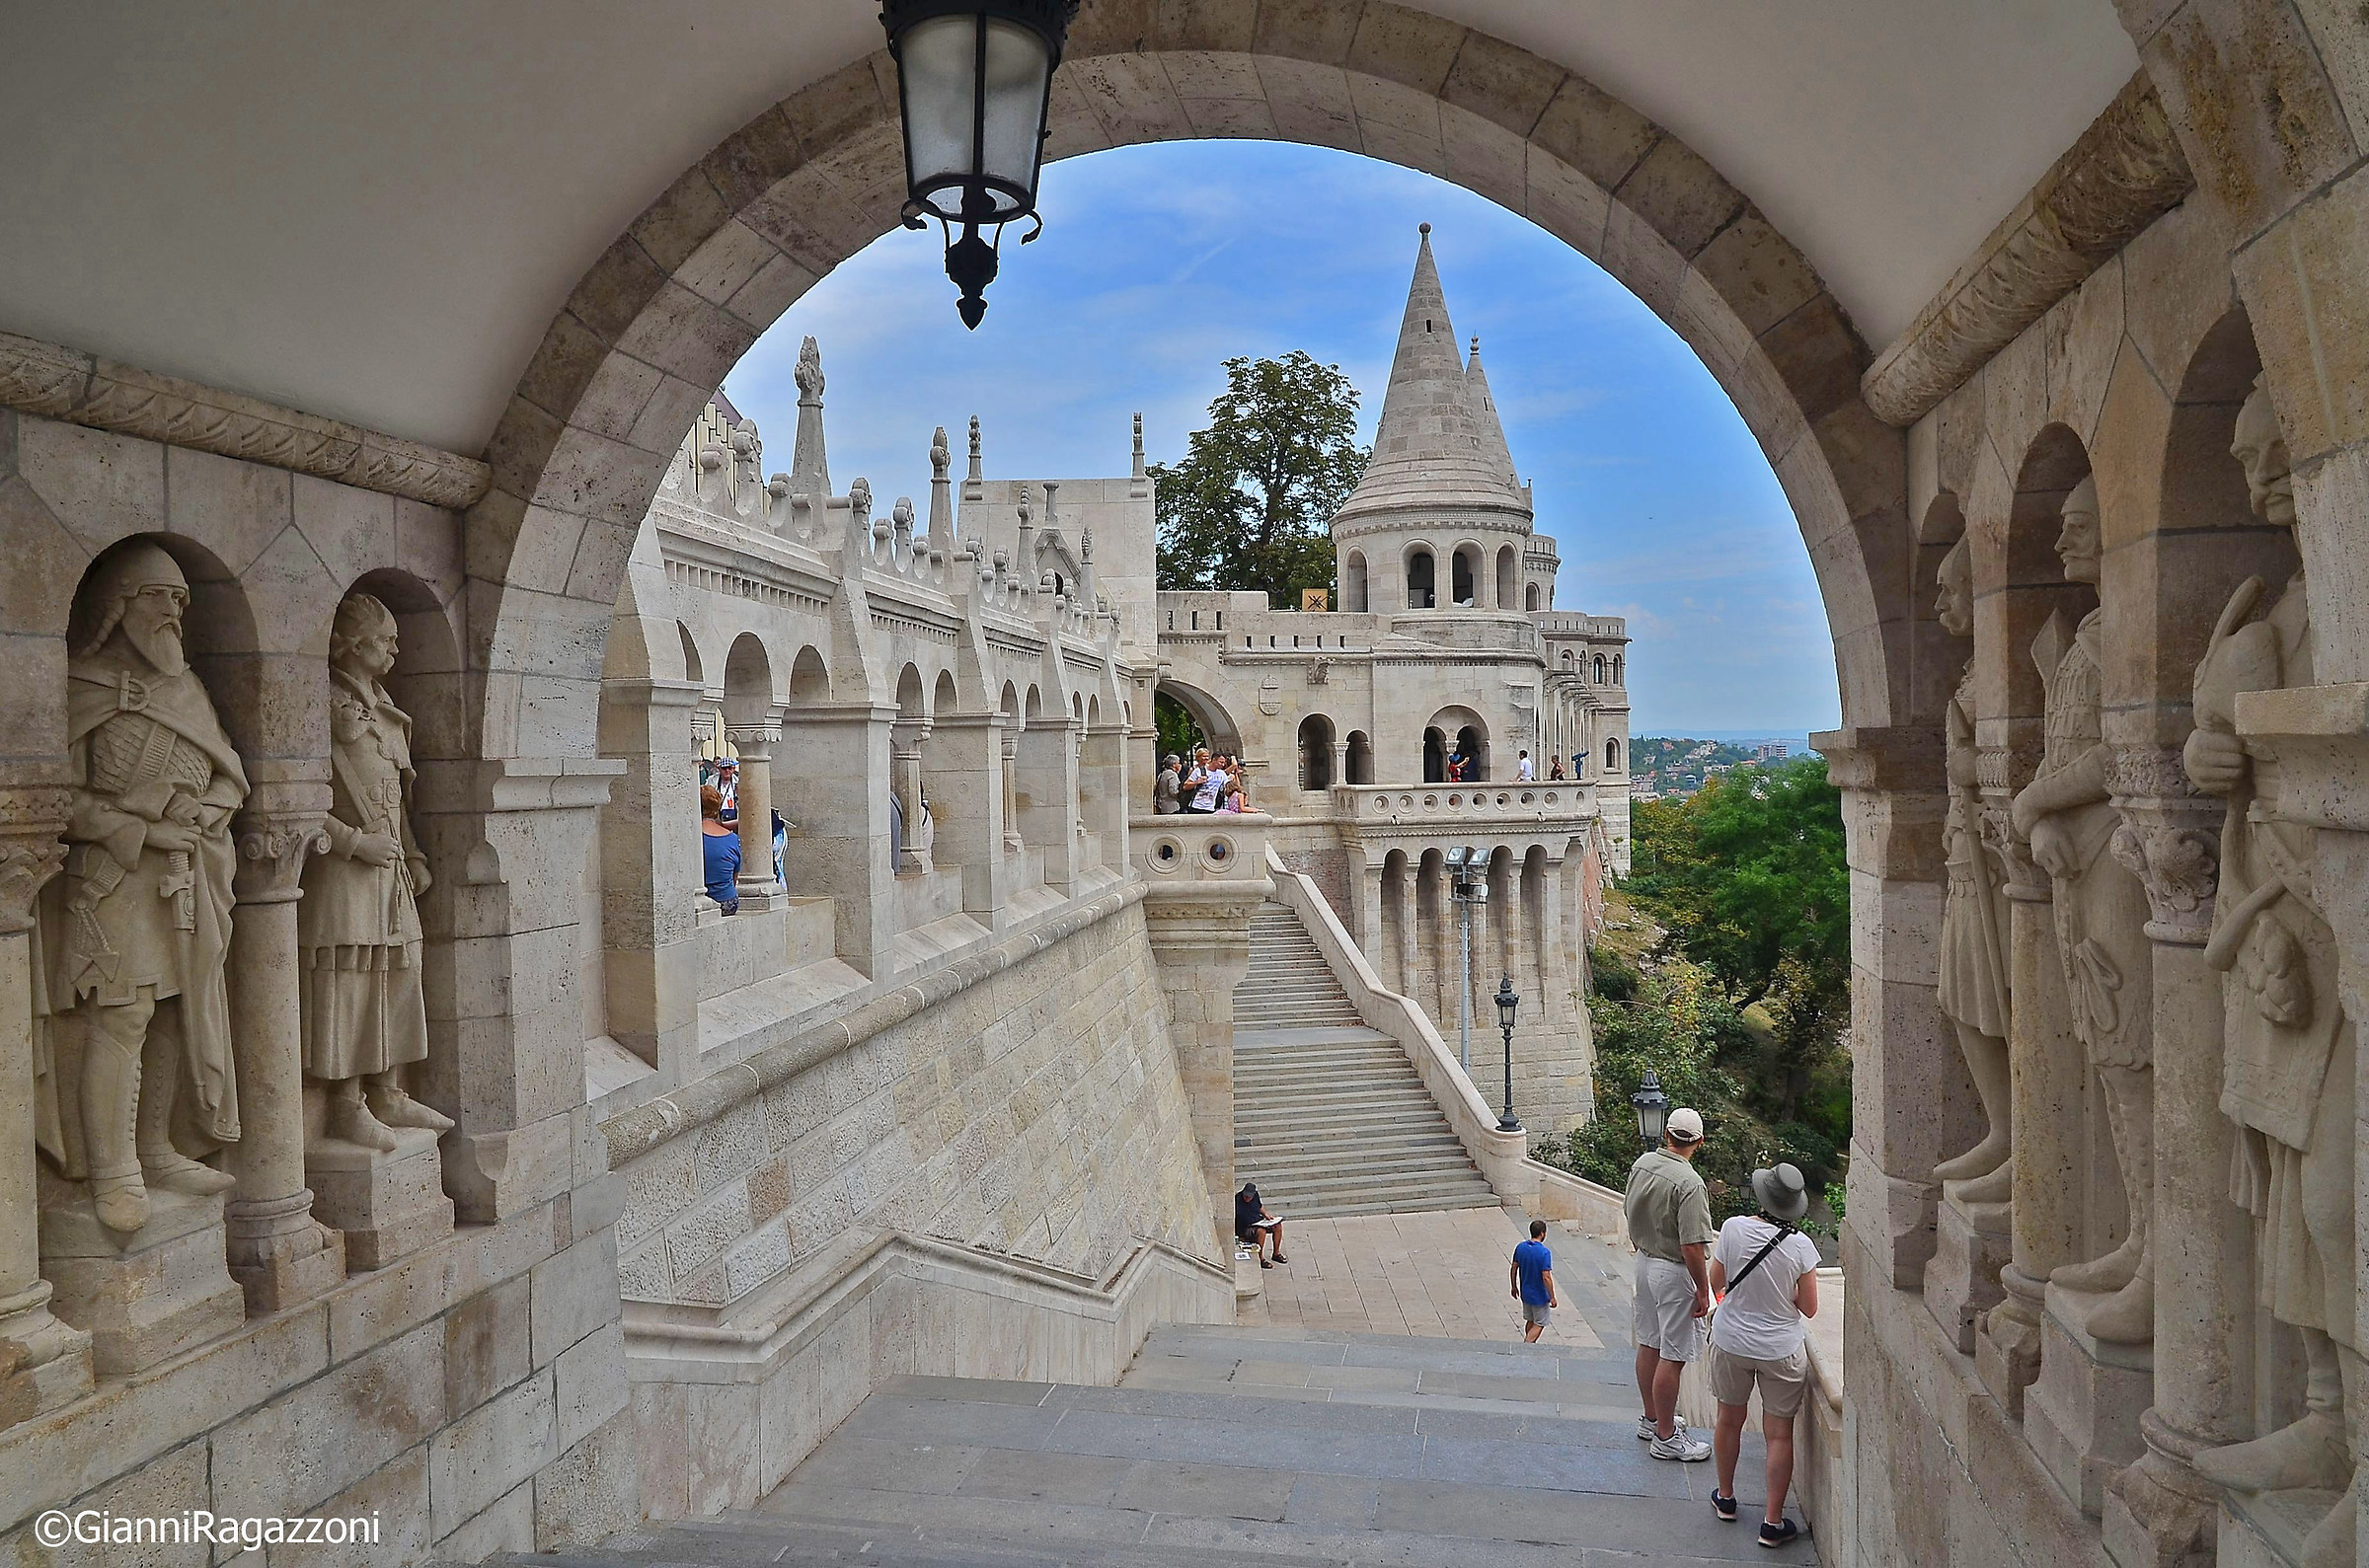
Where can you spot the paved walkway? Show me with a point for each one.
(1265, 1444)
(1439, 1275)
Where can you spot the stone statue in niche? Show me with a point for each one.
(2287, 1074)
(132, 1072)
(358, 927)
(2101, 912)
(1974, 942)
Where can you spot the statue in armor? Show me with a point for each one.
(1974, 944)
(358, 928)
(132, 1064)
(2287, 1073)
(2101, 914)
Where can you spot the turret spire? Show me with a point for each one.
(1433, 447)
(1484, 417)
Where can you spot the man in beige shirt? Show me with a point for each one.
(1669, 1225)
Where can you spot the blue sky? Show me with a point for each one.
(1157, 263)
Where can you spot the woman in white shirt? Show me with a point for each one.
(1765, 1274)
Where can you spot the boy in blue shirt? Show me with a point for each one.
(1533, 1281)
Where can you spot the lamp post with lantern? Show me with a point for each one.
(974, 80)
(1507, 1001)
(1468, 883)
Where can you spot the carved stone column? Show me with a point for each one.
(905, 739)
(46, 1362)
(1199, 918)
(505, 1024)
(1908, 1107)
(2160, 1513)
(841, 848)
(279, 1254)
(1012, 843)
(757, 886)
(2051, 1097)
(2319, 737)
(1046, 786)
(650, 877)
(966, 776)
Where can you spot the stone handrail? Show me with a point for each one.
(1503, 1157)
(1481, 802)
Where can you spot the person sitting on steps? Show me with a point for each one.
(1251, 1223)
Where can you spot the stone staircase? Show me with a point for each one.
(1329, 1117)
(1226, 1448)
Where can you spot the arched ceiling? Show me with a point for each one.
(371, 209)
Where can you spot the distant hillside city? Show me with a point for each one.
(1662, 765)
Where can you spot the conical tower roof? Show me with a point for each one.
(1485, 416)
(1434, 450)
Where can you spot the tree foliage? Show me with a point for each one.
(1179, 733)
(1743, 1010)
(1249, 506)
(1748, 874)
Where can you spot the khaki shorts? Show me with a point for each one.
(1663, 1319)
(1782, 1382)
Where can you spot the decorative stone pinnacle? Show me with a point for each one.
(975, 472)
(939, 457)
(809, 370)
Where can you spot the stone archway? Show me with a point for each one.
(654, 326)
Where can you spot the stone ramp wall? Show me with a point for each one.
(1021, 1114)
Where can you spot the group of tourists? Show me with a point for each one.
(1754, 1282)
(719, 833)
(1210, 785)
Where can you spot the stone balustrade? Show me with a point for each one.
(1479, 803)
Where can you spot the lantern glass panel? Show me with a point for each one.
(1016, 68)
(938, 69)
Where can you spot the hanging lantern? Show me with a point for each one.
(973, 80)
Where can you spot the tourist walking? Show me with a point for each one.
(1765, 1274)
(1533, 1281)
(718, 851)
(1669, 1223)
(1164, 788)
(1524, 770)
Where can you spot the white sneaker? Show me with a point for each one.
(1647, 1434)
(1678, 1446)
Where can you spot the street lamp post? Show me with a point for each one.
(1507, 1001)
(1468, 879)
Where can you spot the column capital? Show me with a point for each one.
(2170, 839)
(272, 848)
(32, 825)
(652, 692)
(2320, 737)
(1890, 758)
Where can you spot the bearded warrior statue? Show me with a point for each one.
(2100, 913)
(134, 1066)
(365, 1017)
(2287, 1074)
(1974, 944)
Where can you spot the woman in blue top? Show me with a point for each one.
(719, 850)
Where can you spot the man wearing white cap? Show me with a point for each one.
(1669, 1223)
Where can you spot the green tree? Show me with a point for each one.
(1749, 876)
(1743, 1008)
(1249, 507)
(1178, 734)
